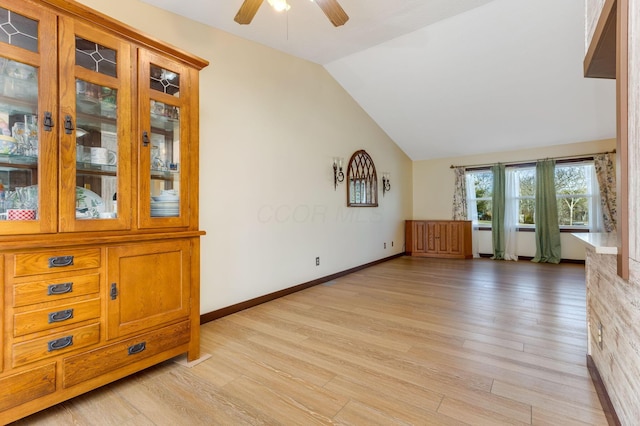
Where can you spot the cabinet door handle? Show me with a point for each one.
(68, 124)
(61, 343)
(114, 291)
(60, 316)
(137, 348)
(47, 122)
(62, 288)
(60, 261)
(145, 138)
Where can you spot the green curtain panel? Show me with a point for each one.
(546, 214)
(497, 207)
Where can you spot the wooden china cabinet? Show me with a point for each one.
(99, 234)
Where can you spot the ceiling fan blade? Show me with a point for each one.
(247, 11)
(334, 11)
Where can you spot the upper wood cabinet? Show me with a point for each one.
(28, 103)
(165, 106)
(99, 127)
(600, 39)
(593, 10)
(94, 129)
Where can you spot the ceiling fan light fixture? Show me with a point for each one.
(279, 5)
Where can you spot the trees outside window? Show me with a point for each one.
(574, 191)
(526, 197)
(480, 187)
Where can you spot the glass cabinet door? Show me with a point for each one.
(27, 123)
(95, 131)
(164, 195)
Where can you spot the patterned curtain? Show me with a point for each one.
(459, 195)
(606, 174)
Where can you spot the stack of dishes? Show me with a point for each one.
(167, 204)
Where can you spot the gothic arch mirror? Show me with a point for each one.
(362, 186)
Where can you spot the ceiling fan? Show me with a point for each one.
(331, 8)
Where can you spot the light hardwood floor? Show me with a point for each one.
(409, 341)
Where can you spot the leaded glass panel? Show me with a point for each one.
(95, 57)
(165, 81)
(18, 30)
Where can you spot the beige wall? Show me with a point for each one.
(433, 189)
(270, 125)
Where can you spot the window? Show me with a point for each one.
(479, 192)
(525, 196)
(576, 191)
(576, 194)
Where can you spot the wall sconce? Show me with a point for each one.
(338, 175)
(386, 182)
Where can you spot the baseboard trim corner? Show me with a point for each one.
(219, 313)
(603, 395)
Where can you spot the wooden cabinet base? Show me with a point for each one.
(111, 358)
(438, 238)
(26, 386)
(73, 328)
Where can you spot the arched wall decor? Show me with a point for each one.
(362, 181)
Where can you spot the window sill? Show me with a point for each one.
(532, 229)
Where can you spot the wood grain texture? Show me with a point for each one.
(334, 11)
(247, 11)
(593, 13)
(409, 341)
(600, 57)
(615, 303)
(439, 238)
(624, 222)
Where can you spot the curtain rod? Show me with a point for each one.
(515, 163)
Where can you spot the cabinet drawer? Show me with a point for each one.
(55, 344)
(50, 290)
(78, 368)
(55, 316)
(27, 386)
(47, 262)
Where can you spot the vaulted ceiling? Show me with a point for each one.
(444, 78)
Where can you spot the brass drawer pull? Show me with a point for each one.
(61, 343)
(55, 289)
(137, 348)
(60, 261)
(60, 316)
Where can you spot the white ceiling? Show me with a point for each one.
(445, 78)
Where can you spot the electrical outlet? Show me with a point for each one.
(317, 261)
(600, 334)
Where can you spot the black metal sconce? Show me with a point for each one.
(386, 183)
(338, 175)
